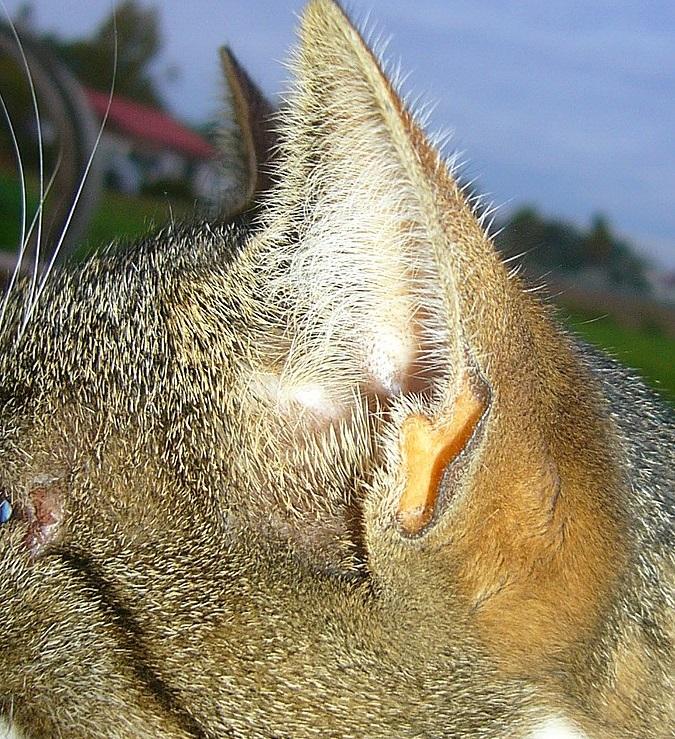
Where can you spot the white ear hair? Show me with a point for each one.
(346, 241)
(556, 728)
(290, 397)
(8, 731)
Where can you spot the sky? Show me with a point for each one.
(566, 104)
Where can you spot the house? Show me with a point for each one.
(142, 146)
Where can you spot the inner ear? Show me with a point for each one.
(377, 332)
(409, 349)
(433, 450)
(351, 244)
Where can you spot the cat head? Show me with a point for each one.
(350, 374)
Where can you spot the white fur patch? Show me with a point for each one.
(390, 357)
(311, 396)
(556, 728)
(7, 731)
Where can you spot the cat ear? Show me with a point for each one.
(376, 279)
(370, 248)
(355, 237)
(247, 138)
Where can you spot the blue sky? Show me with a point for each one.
(568, 104)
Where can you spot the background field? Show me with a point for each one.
(649, 352)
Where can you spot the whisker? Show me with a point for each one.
(26, 238)
(22, 185)
(38, 124)
(45, 275)
(48, 188)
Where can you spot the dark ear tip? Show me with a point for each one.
(230, 66)
(225, 54)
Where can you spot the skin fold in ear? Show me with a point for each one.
(427, 451)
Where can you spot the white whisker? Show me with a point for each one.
(22, 185)
(26, 236)
(78, 194)
(38, 124)
(43, 200)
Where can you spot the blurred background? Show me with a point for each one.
(563, 113)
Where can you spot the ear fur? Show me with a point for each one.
(247, 140)
(391, 288)
(351, 230)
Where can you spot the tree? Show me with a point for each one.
(549, 245)
(617, 258)
(136, 31)
(599, 243)
(545, 244)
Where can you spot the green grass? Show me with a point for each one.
(123, 217)
(118, 216)
(650, 353)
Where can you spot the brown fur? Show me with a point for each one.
(204, 440)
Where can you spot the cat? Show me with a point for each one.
(327, 468)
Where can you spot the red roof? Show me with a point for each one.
(149, 124)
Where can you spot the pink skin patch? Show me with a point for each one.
(45, 516)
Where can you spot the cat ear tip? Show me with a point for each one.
(323, 9)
